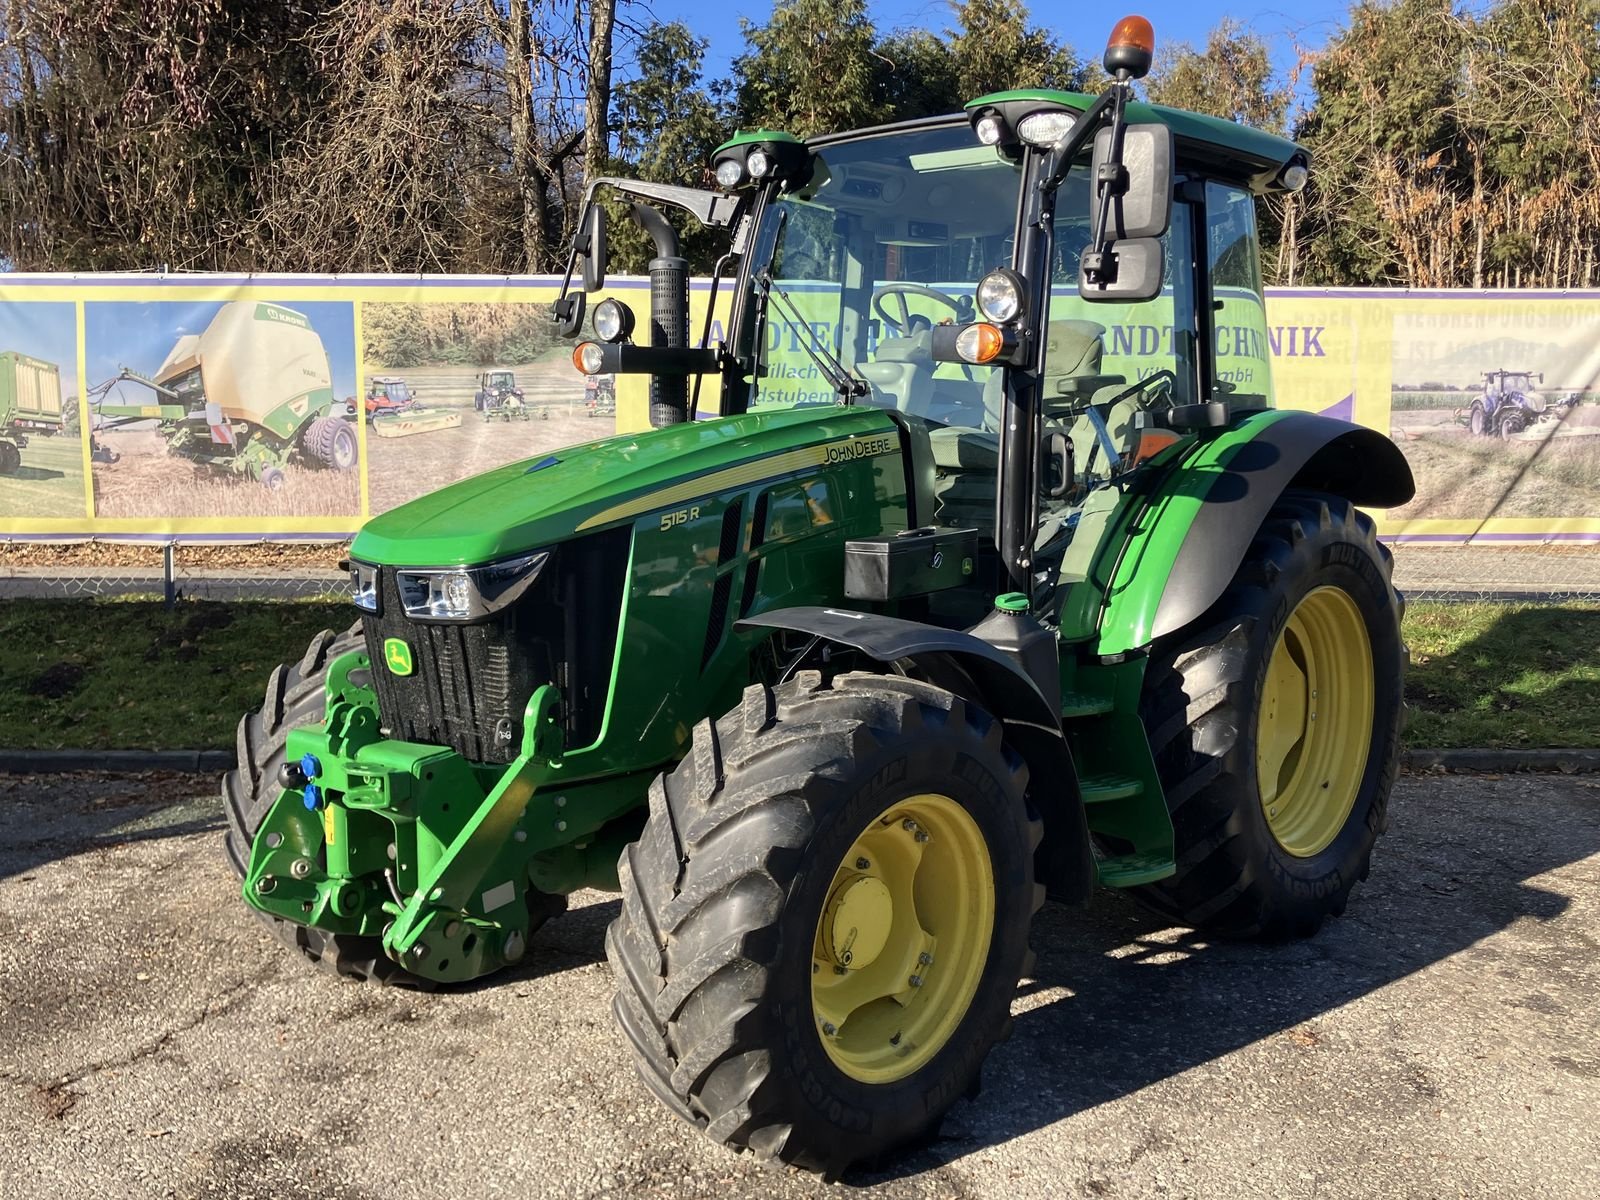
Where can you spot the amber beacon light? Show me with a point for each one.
(1130, 48)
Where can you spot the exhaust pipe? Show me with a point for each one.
(669, 314)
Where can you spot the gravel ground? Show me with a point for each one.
(1439, 1040)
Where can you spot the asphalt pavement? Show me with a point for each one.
(1440, 1040)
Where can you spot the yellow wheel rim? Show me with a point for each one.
(902, 939)
(1315, 727)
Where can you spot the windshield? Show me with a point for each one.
(187, 386)
(888, 240)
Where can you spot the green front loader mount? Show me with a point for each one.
(995, 574)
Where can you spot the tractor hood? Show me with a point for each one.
(551, 497)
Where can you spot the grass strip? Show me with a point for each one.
(128, 674)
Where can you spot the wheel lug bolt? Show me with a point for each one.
(922, 837)
(840, 971)
(909, 825)
(829, 1028)
(925, 959)
(916, 981)
(862, 864)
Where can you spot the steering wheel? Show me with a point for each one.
(962, 307)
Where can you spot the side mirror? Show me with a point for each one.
(1132, 265)
(1130, 271)
(593, 249)
(1142, 208)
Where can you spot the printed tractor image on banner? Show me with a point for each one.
(239, 415)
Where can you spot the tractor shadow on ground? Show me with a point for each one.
(1121, 1000)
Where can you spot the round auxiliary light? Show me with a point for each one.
(730, 173)
(1294, 176)
(588, 357)
(1045, 128)
(1000, 295)
(613, 320)
(758, 164)
(980, 343)
(990, 131)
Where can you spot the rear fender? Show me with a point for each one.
(968, 665)
(1201, 520)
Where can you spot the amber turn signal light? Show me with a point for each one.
(588, 357)
(980, 343)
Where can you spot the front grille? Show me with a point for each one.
(470, 684)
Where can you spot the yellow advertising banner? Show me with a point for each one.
(218, 408)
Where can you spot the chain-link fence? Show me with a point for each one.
(1551, 574)
(172, 571)
(274, 571)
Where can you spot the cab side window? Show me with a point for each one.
(1241, 367)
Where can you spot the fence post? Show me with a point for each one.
(169, 576)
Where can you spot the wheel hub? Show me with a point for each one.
(859, 916)
(902, 939)
(1315, 722)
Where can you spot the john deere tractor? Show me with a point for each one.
(996, 576)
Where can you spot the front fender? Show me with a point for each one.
(1065, 862)
(1197, 526)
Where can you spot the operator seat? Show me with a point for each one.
(901, 367)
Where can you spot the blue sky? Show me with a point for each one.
(1307, 24)
(43, 330)
(138, 335)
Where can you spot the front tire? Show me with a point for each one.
(1276, 815)
(771, 968)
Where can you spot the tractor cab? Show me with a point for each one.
(1043, 293)
(387, 394)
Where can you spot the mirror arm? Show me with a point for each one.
(1112, 180)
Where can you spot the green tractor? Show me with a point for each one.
(1041, 592)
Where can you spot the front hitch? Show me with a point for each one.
(383, 838)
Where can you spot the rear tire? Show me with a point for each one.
(10, 458)
(295, 698)
(750, 845)
(1202, 706)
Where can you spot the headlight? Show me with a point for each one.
(759, 163)
(1294, 176)
(989, 130)
(613, 321)
(364, 584)
(467, 593)
(589, 357)
(1045, 128)
(730, 173)
(1000, 296)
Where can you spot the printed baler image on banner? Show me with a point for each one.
(245, 411)
(41, 451)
